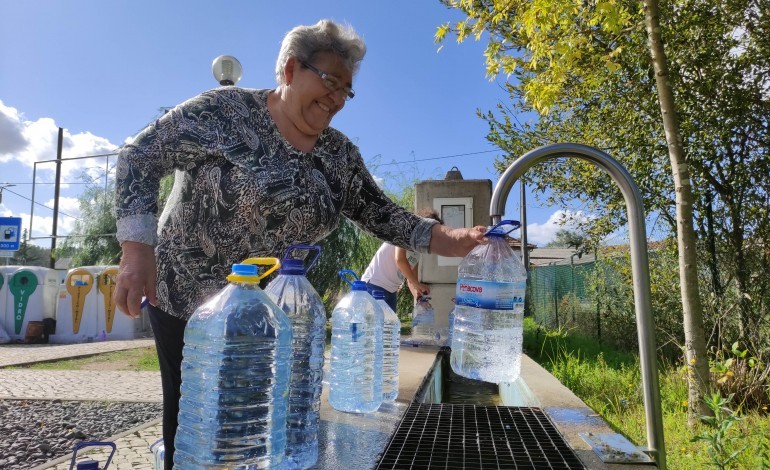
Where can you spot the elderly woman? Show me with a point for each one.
(255, 172)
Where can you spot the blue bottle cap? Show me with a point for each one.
(496, 233)
(245, 269)
(378, 294)
(359, 285)
(502, 228)
(292, 266)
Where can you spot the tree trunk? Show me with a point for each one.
(713, 264)
(695, 340)
(746, 323)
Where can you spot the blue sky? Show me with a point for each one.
(103, 70)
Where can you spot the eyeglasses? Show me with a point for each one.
(331, 82)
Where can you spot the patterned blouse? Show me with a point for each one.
(241, 190)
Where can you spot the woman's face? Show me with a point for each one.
(312, 104)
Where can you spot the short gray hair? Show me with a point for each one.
(304, 42)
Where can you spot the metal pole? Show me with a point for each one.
(52, 261)
(525, 250)
(598, 309)
(524, 242)
(32, 202)
(640, 267)
(572, 278)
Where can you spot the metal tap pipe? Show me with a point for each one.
(639, 266)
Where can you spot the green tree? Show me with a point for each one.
(695, 338)
(29, 254)
(569, 239)
(589, 72)
(92, 240)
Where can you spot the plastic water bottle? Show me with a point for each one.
(391, 344)
(158, 449)
(291, 291)
(451, 327)
(424, 329)
(355, 382)
(488, 330)
(235, 378)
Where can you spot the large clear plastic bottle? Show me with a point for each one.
(424, 329)
(391, 344)
(355, 378)
(235, 378)
(488, 329)
(291, 291)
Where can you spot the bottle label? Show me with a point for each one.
(490, 295)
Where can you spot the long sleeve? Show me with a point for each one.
(179, 139)
(369, 208)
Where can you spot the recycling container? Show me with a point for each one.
(111, 323)
(5, 275)
(77, 307)
(31, 296)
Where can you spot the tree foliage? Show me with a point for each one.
(29, 254)
(586, 70)
(349, 247)
(92, 240)
(568, 239)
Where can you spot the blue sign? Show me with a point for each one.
(10, 233)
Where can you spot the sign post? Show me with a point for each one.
(10, 234)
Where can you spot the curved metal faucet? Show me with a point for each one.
(639, 266)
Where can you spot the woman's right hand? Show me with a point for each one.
(137, 276)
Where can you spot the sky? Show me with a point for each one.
(103, 70)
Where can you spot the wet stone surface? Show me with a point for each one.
(36, 431)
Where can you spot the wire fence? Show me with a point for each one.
(560, 294)
(591, 293)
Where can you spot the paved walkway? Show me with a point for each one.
(133, 445)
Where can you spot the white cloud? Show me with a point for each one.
(11, 132)
(32, 141)
(380, 181)
(43, 220)
(541, 234)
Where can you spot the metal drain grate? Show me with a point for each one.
(435, 436)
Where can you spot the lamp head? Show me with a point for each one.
(227, 70)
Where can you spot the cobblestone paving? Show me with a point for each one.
(80, 385)
(133, 451)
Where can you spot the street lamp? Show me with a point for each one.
(3, 187)
(227, 70)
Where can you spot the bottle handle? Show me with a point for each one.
(515, 223)
(274, 262)
(81, 445)
(315, 248)
(346, 273)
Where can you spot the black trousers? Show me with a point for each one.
(169, 342)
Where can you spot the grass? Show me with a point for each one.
(139, 359)
(609, 382)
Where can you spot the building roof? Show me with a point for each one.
(546, 256)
